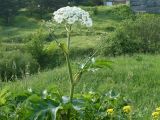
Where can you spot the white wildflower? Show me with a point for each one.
(30, 90)
(89, 22)
(82, 66)
(71, 20)
(93, 60)
(71, 15)
(45, 92)
(58, 19)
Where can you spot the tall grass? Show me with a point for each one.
(136, 78)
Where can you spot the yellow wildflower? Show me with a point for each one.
(110, 111)
(127, 109)
(155, 115)
(158, 109)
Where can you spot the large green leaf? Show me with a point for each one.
(63, 47)
(4, 94)
(47, 114)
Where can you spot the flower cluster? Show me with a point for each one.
(156, 114)
(71, 15)
(158, 109)
(127, 109)
(110, 111)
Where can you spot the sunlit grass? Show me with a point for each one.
(21, 27)
(136, 78)
(24, 25)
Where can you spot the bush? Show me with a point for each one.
(47, 57)
(121, 12)
(91, 10)
(89, 2)
(35, 46)
(16, 64)
(54, 56)
(134, 36)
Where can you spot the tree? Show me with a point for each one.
(54, 4)
(88, 2)
(8, 8)
(42, 7)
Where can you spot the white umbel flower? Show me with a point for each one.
(58, 19)
(89, 22)
(71, 15)
(44, 94)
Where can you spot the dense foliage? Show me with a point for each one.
(88, 2)
(134, 36)
(46, 54)
(8, 8)
(37, 8)
(122, 32)
(52, 105)
(121, 12)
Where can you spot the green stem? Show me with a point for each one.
(71, 77)
(69, 69)
(68, 40)
(68, 64)
(68, 36)
(111, 118)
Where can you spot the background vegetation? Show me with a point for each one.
(131, 41)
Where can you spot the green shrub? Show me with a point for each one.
(54, 57)
(35, 46)
(16, 64)
(123, 11)
(134, 36)
(47, 57)
(47, 53)
(90, 2)
(120, 11)
(91, 10)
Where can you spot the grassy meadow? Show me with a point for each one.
(135, 77)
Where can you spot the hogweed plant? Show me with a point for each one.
(52, 105)
(69, 16)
